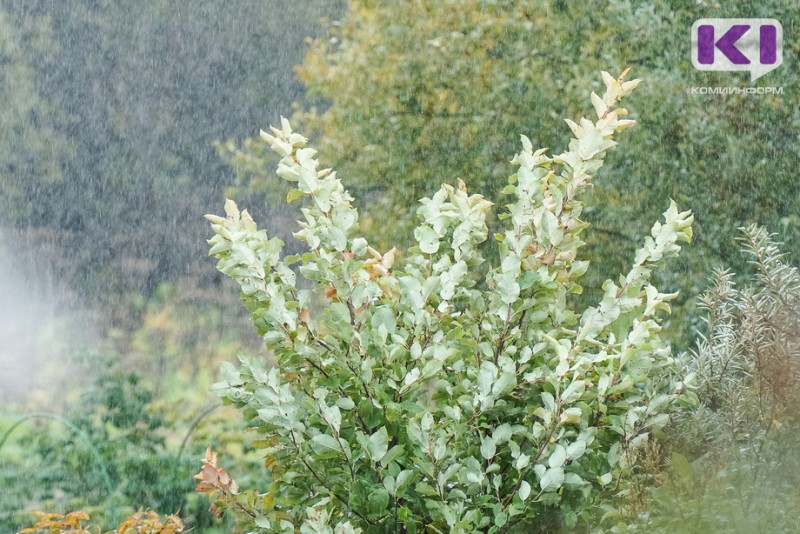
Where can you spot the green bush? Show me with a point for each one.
(444, 395)
(113, 458)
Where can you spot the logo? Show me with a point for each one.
(754, 45)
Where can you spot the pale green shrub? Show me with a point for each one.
(424, 397)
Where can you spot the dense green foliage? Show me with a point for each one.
(426, 395)
(417, 93)
(118, 418)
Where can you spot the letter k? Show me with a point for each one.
(726, 44)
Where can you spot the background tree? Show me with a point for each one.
(32, 150)
(110, 110)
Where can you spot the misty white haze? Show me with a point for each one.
(41, 330)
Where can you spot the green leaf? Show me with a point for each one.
(507, 288)
(338, 239)
(378, 444)
(549, 401)
(522, 462)
(552, 230)
(378, 501)
(504, 384)
(325, 445)
(592, 142)
(657, 421)
(404, 478)
(524, 490)
(502, 433)
(576, 449)
(384, 316)
(610, 516)
(573, 479)
(425, 489)
(371, 415)
(558, 456)
(333, 417)
(345, 403)
(392, 454)
(573, 392)
(343, 217)
(427, 238)
(488, 448)
(231, 374)
(231, 210)
(431, 368)
(358, 494)
(552, 479)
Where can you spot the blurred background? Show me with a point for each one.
(123, 122)
(111, 314)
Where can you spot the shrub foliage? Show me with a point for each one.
(438, 394)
